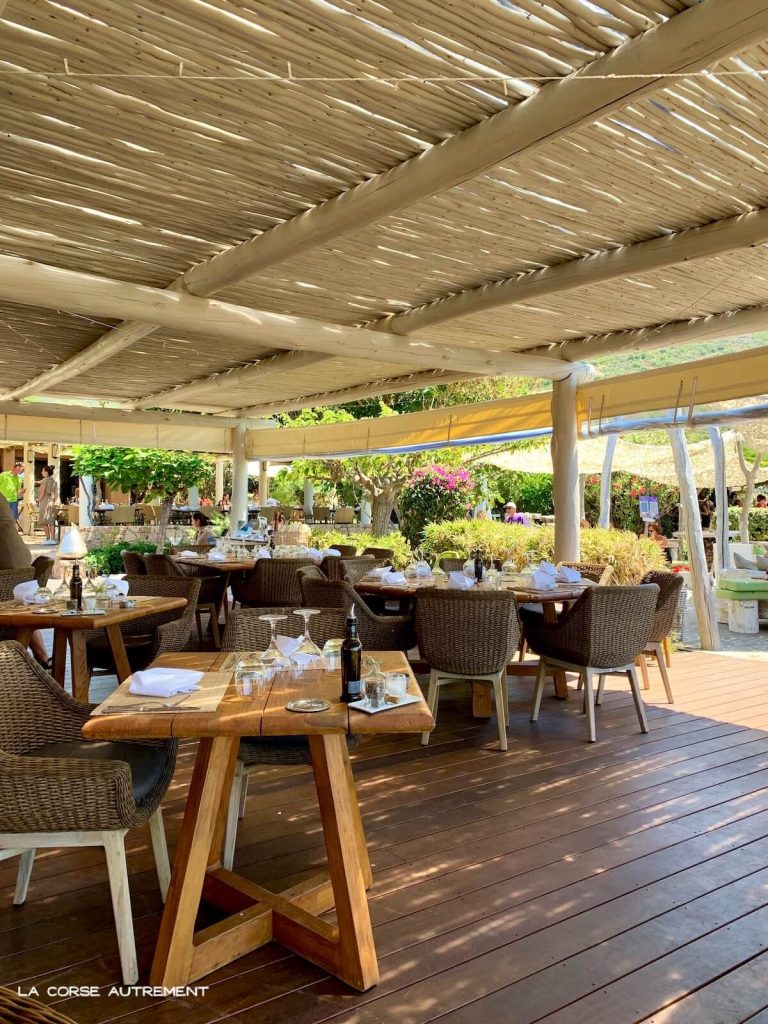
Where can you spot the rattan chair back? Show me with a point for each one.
(246, 631)
(467, 633)
(383, 556)
(10, 578)
(347, 568)
(160, 565)
(606, 627)
(345, 550)
(670, 586)
(133, 563)
(272, 583)
(16, 1009)
(450, 564)
(162, 586)
(42, 567)
(597, 572)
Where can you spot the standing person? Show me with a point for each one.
(47, 495)
(12, 490)
(656, 534)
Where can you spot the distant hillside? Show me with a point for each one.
(671, 355)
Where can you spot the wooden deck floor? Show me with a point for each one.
(619, 882)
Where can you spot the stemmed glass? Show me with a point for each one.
(273, 657)
(307, 645)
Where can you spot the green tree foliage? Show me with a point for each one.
(148, 472)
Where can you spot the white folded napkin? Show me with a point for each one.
(164, 682)
(216, 556)
(566, 574)
(423, 570)
(380, 570)
(458, 581)
(24, 592)
(332, 552)
(263, 553)
(547, 568)
(287, 644)
(122, 586)
(315, 553)
(187, 554)
(393, 578)
(543, 580)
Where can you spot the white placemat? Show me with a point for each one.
(206, 698)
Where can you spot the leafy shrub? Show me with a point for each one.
(323, 538)
(531, 492)
(433, 495)
(625, 506)
(106, 560)
(758, 521)
(630, 556)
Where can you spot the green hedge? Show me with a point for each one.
(630, 556)
(758, 521)
(105, 561)
(320, 537)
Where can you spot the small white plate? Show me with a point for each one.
(363, 705)
(306, 705)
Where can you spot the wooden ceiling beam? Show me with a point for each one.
(717, 238)
(37, 284)
(694, 39)
(680, 332)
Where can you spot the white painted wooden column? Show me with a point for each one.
(29, 489)
(309, 497)
(722, 549)
(193, 497)
(605, 482)
(239, 513)
(263, 482)
(218, 486)
(86, 500)
(703, 598)
(365, 511)
(582, 497)
(565, 463)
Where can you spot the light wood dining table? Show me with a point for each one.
(256, 916)
(71, 630)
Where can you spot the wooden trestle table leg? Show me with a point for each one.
(257, 915)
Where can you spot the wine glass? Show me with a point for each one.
(307, 645)
(273, 657)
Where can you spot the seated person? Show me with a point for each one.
(203, 532)
(762, 501)
(655, 534)
(511, 515)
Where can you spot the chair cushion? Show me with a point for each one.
(280, 749)
(737, 586)
(743, 563)
(139, 649)
(147, 764)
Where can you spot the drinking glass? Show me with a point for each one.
(307, 645)
(397, 685)
(251, 676)
(273, 657)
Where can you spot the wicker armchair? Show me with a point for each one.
(272, 583)
(42, 567)
(16, 1009)
(59, 790)
(377, 632)
(147, 638)
(347, 568)
(450, 563)
(600, 634)
(10, 578)
(383, 556)
(213, 589)
(133, 563)
(245, 631)
(345, 550)
(595, 571)
(469, 636)
(670, 586)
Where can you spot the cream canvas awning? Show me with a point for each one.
(651, 462)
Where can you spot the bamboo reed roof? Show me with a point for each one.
(141, 139)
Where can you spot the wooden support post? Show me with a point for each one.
(86, 501)
(565, 463)
(219, 481)
(309, 498)
(722, 549)
(703, 599)
(605, 482)
(239, 512)
(263, 482)
(750, 473)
